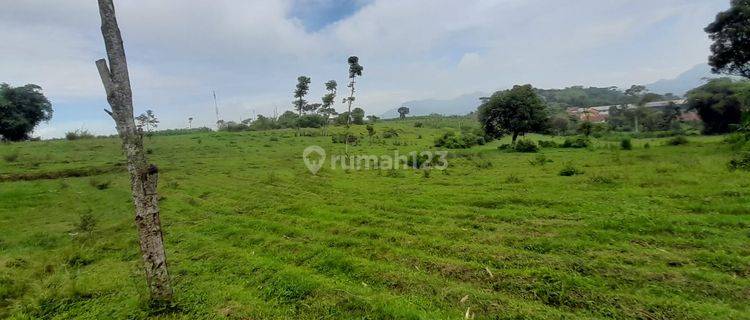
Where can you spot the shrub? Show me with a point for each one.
(78, 134)
(526, 146)
(417, 124)
(741, 162)
(678, 140)
(570, 170)
(577, 142)
(390, 133)
(344, 138)
(10, 157)
(647, 146)
(451, 140)
(547, 144)
(539, 160)
(625, 144)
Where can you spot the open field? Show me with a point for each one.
(657, 233)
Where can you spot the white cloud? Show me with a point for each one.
(251, 52)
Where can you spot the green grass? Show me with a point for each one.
(658, 233)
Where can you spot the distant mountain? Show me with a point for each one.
(684, 82)
(457, 106)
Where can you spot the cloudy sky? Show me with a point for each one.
(251, 51)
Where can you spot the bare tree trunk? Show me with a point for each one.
(143, 177)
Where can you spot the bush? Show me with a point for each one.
(344, 138)
(78, 134)
(741, 162)
(451, 140)
(547, 144)
(570, 170)
(577, 142)
(647, 146)
(417, 124)
(526, 146)
(678, 140)
(10, 157)
(540, 160)
(625, 144)
(512, 178)
(390, 133)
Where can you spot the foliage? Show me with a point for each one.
(451, 140)
(540, 160)
(417, 124)
(570, 170)
(345, 138)
(547, 144)
(10, 157)
(147, 121)
(626, 144)
(390, 133)
(677, 141)
(372, 118)
(232, 126)
(358, 116)
(402, 112)
(526, 145)
(21, 110)
(730, 51)
(576, 142)
(311, 121)
(585, 128)
(740, 162)
(303, 86)
(516, 111)
(78, 134)
(720, 103)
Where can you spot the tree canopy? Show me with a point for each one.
(516, 111)
(21, 110)
(720, 104)
(730, 32)
(402, 112)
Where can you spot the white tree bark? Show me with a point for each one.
(143, 176)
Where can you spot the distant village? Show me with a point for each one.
(601, 114)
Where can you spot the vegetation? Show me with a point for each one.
(21, 110)
(731, 45)
(720, 103)
(251, 234)
(516, 111)
(402, 112)
(79, 134)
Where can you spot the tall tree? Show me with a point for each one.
(22, 109)
(355, 70)
(516, 111)
(730, 32)
(303, 86)
(328, 99)
(143, 176)
(402, 112)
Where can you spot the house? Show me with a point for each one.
(601, 113)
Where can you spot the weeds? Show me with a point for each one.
(540, 160)
(570, 170)
(10, 157)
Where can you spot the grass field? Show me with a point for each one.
(657, 233)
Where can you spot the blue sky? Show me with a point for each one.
(251, 52)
